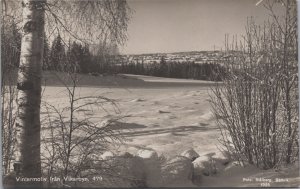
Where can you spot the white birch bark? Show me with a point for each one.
(27, 155)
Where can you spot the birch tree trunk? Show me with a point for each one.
(27, 155)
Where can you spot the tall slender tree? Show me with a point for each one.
(27, 156)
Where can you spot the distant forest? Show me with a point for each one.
(76, 57)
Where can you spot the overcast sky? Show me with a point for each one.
(186, 25)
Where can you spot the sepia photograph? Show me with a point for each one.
(149, 94)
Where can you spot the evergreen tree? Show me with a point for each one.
(57, 55)
(46, 65)
(85, 63)
(163, 67)
(75, 56)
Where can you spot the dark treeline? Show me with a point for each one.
(73, 56)
(186, 70)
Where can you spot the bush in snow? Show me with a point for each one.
(191, 154)
(126, 171)
(204, 165)
(257, 104)
(152, 167)
(178, 169)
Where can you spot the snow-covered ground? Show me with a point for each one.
(168, 116)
